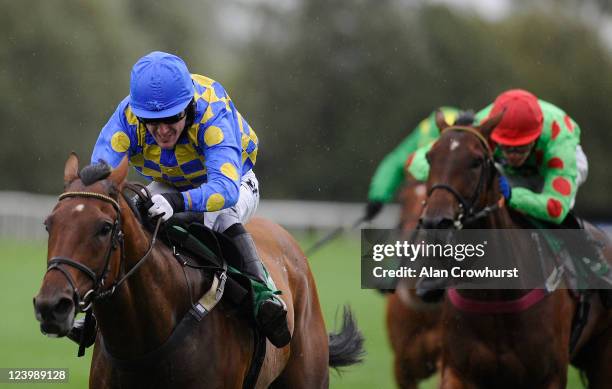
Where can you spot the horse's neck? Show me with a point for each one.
(502, 219)
(145, 309)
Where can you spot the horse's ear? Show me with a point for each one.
(119, 173)
(71, 169)
(441, 121)
(487, 127)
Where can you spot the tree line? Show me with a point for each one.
(329, 87)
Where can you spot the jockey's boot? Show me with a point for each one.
(589, 251)
(77, 331)
(270, 311)
(600, 271)
(430, 289)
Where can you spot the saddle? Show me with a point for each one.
(580, 267)
(192, 241)
(578, 256)
(197, 246)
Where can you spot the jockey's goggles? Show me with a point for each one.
(168, 120)
(517, 149)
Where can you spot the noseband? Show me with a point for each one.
(467, 213)
(116, 240)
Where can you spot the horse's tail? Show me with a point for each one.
(346, 346)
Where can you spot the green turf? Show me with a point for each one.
(336, 269)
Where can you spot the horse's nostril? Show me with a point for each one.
(63, 306)
(52, 309)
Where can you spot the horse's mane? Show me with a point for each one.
(95, 172)
(466, 118)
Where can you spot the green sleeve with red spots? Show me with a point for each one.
(417, 165)
(555, 157)
(390, 173)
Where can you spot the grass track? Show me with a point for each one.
(336, 269)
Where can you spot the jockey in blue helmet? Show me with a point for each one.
(183, 132)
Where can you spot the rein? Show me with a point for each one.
(467, 213)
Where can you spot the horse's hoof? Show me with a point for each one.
(272, 321)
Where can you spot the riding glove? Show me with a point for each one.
(166, 204)
(504, 187)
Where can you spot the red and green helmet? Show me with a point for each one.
(522, 121)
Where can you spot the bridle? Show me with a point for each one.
(97, 292)
(198, 310)
(467, 213)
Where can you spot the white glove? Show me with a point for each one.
(160, 206)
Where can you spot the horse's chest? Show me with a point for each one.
(510, 364)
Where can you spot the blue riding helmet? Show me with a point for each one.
(160, 86)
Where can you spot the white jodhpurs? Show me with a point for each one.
(241, 212)
(582, 165)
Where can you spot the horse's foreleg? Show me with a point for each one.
(597, 368)
(415, 339)
(404, 380)
(450, 380)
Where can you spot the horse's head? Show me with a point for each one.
(84, 244)
(461, 173)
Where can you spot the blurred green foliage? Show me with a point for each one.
(329, 86)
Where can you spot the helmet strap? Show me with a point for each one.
(190, 114)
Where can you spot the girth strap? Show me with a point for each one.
(189, 322)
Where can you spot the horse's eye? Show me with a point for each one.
(476, 163)
(46, 223)
(105, 229)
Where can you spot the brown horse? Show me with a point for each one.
(95, 239)
(413, 327)
(527, 347)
